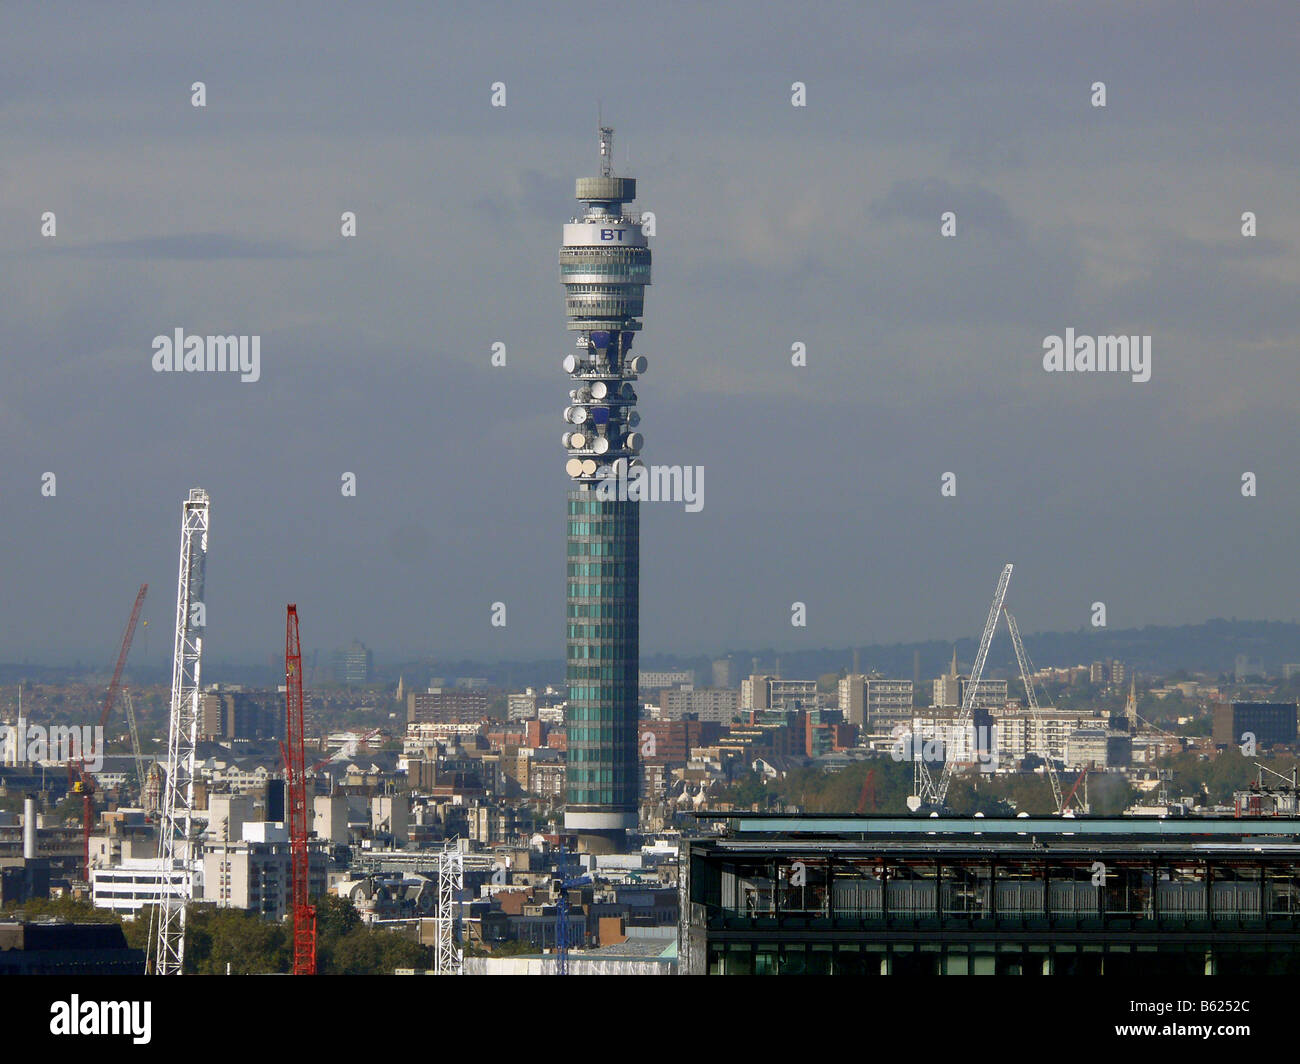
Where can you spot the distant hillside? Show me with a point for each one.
(1210, 647)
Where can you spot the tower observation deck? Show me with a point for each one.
(605, 267)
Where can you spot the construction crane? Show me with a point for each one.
(868, 791)
(928, 792)
(1083, 802)
(304, 913)
(562, 914)
(136, 751)
(1026, 674)
(175, 844)
(81, 781)
(448, 958)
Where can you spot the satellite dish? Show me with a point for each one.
(627, 393)
(633, 419)
(578, 439)
(638, 364)
(600, 444)
(599, 390)
(570, 363)
(588, 467)
(573, 467)
(584, 394)
(579, 415)
(634, 441)
(566, 440)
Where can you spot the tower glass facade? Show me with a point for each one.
(604, 266)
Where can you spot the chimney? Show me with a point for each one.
(29, 828)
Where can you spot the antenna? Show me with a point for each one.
(606, 151)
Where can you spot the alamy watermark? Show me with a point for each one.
(656, 483)
(973, 744)
(1098, 354)
(26, 743)
(179, 353)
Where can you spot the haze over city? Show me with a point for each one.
(924, 353)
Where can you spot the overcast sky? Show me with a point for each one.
(775, 225)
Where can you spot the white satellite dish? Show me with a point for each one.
(638, 364)
(573, 467)
(566, 440)
(578, 439)
(599, 390)
(600, 444)
(579, 414)
(570, 363)
(588, 466)
(635, 441)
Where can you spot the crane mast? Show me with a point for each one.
(175, 842)
(448, 958)
(927, 790)
(295, 770)
(116, 683)
(83, 782)
(136, 750)
(1023, 659)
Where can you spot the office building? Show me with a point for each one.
(1126, 896)
(1267, 723)
(868, 700)
(446, 705)
(353, 665)
(708, 703)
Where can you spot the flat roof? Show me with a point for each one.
(1144, 827)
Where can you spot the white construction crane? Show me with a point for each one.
(928, 792)
(448, 958)
(135, 740)
(175, 829)
(1031, 698)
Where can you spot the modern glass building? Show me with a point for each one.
(984, 896)
(604, 266)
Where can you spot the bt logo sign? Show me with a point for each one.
(612, 234)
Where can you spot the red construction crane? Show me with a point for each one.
(82, 782)
(304, 913)
(868, 791)
(1082, 776)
